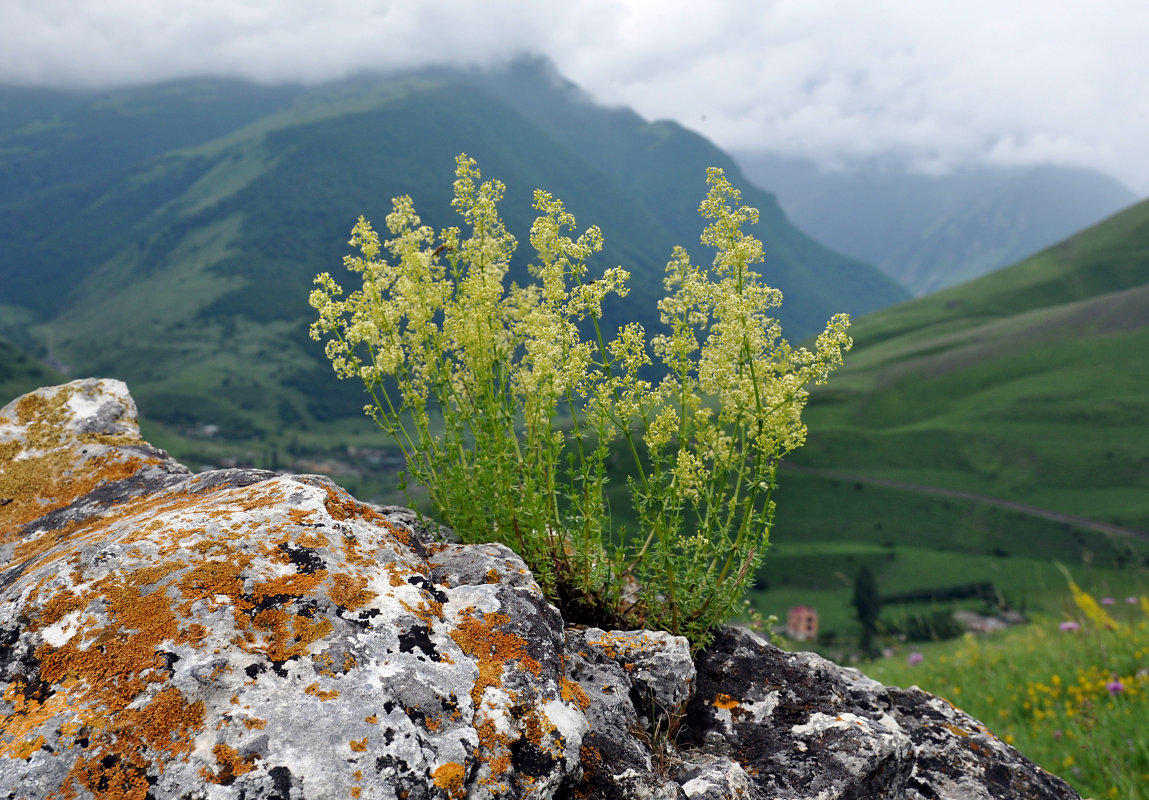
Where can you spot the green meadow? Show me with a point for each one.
(1070, 690)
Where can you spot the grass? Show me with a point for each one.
(1070, 691)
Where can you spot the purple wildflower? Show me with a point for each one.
(1131, 601)
(1115, 687)
(1069, 625)
(1106, 601)
(915, 659)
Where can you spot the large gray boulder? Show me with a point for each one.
(241, 634)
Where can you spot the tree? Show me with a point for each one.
(868, 606)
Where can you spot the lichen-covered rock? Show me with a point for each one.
(242, 634)
(617, 758)
(803, 727)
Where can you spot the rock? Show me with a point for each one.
(803, 727)
(242, 634)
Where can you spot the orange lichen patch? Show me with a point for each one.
(725, 701)
(349, 591)
(372, 720)
(116, 657)
(493, 576)
(955, 730)
(573, 693)
(590, 757)
(322, 694)
(106, 778)
(621, 647)
(116, 764)
(193, 633)
(28, 716)
(356, 792)
(100, 676)
(38, 485)
(44, 479)
(293, 585)
(58, 606)
(207, 580)
(301, 516)
(231, 765)
(290, 634)
(492, 649)
(312, 539)
(449, 778)
(26, 748)
(345, 507)
(428, 611)
(360, 745)
(254, 723)
(483, 640)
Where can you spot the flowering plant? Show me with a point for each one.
(507, 416)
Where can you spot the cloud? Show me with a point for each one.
(937, 84)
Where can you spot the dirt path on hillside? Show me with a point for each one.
(1055, 516)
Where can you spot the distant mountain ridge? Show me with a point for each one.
(933, 231)
(180, 256)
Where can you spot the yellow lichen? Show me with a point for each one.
(725, 701)
(449, 778)
(322, 694)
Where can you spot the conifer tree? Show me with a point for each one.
(867, 604)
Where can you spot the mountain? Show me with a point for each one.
(1027, 384)
(169, 235)
(20, 373)
(978, 434)
(933, 231)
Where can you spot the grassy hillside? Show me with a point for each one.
(20, 373)
(182, 265)
(1027, 386)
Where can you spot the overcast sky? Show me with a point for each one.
(935, 83)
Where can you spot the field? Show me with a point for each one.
(1069, 690)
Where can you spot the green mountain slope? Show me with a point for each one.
(1028, 384)
(979, 433)
(20, 373)
(186, 272)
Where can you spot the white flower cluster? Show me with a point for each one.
(529, 409)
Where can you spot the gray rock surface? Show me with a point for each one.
(804, 727)
(241, 634)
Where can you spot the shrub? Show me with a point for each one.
(507, 415)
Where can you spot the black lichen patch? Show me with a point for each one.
(389, 762)
(418, 638)
(363, 618)
(428, 587)
(170, 659)
(305, 559)
(282, 781)
(531, 760)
